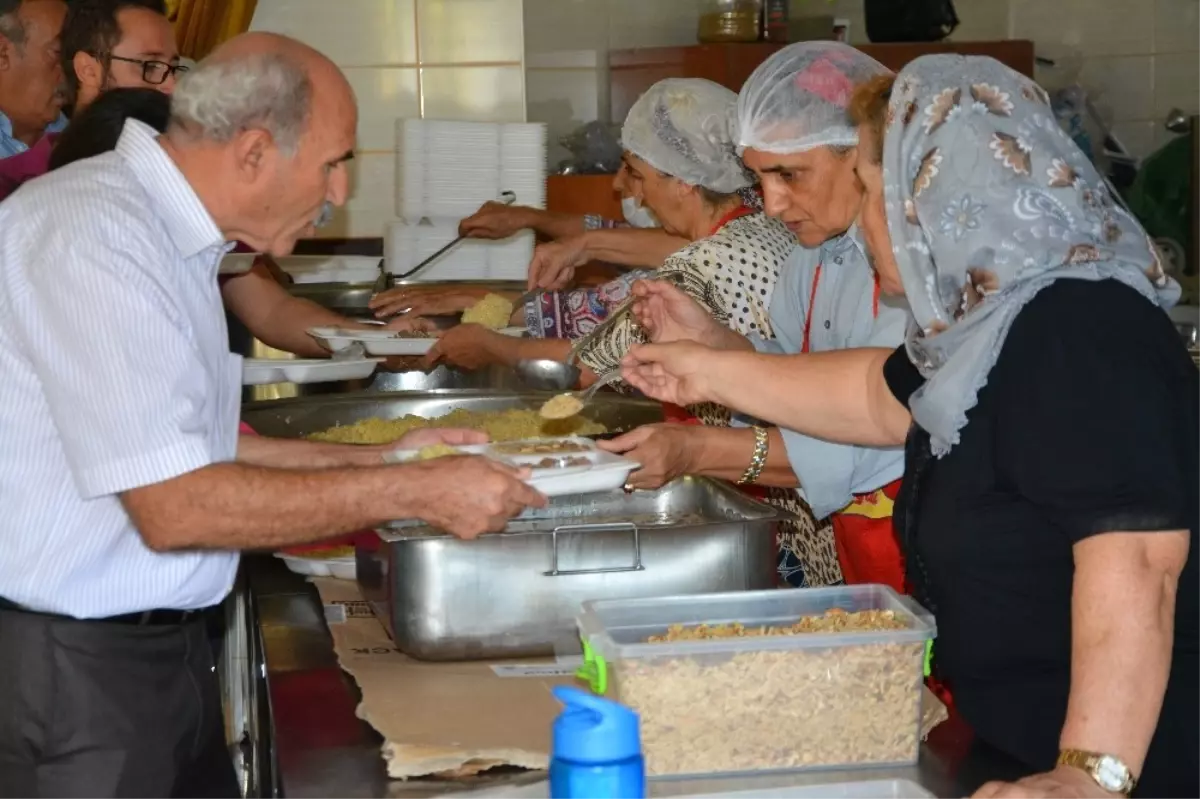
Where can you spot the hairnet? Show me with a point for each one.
(796, 100)
(681, 126)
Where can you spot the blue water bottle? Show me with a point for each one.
(597, 750)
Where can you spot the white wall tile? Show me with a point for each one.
(372, 200)
(1120, 88)
(564, 99)
(465, 31)
(351, 32)
(652, 23)
(1176, 26)
(1138, 137)
(482, 94)
(981, 20)
(556, 25)
(1176, 83)
(1085, 27)
(384, 94)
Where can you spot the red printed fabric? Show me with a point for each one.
(868, 549)
(15, 170)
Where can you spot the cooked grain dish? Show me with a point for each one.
(436, 451)
(508, 425)
(561, 406)
(493, 312)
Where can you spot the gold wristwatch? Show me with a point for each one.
(1109, 772)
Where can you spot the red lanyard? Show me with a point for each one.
(812, 299)
(736, 213)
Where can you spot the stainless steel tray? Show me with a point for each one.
(516, 593)
(293, 418)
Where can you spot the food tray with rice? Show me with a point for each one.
(380, 418)
(764, 680)
(560, 466)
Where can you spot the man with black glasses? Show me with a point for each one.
(111, 44)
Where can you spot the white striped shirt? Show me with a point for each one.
(116, 374)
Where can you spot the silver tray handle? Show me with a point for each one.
(593, 528)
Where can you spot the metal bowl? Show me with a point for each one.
(547, 375)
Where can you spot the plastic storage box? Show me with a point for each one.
(759, 703)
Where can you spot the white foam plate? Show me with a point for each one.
(262, 371)
(341, 568)
(606, 471)
(236, 263)
(375, 342)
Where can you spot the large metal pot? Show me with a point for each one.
(516, 593)
(293, 418)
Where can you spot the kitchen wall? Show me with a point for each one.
(443, 59)
(1137, 58)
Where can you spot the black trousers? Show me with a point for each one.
(102, 709)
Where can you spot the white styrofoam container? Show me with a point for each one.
(375, 342)
(263, 371)
(606, 472)
(341, 568)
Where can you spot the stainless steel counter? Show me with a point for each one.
(320, 748)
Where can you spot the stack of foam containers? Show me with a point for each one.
(444, 172)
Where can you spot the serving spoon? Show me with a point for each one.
(564, 406)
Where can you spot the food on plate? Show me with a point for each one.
(436, 451)
(415, 334)
(785, 707)
(508, 425)
(560, 463)
(561, 407)
(325, 553)
(493, 312)
(540, 447)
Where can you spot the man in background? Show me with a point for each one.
(31, 87)
(117, 44)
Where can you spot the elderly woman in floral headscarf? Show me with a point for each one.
(1049, 508)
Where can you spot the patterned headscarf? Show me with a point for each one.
(988, 202)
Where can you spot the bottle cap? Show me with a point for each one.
(591, 729)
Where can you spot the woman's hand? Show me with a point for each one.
(665, 451)
(467, 347)
(497, 221)
(1064, 782)
(425, 300)
(429, 436)
(554, 263)
(677, 373)
(667, 314)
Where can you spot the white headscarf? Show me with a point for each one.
(681, 127)
(796, 100)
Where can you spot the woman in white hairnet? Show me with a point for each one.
(793, 131)
(681, 165)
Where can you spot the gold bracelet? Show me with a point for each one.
(758, 460)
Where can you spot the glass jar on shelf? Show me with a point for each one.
(729, 20)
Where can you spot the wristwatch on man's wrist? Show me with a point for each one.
(1109, 772)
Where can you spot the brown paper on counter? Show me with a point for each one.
(448, 719)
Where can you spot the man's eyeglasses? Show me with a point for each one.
(153, 72)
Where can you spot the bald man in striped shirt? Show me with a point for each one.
(127, 491)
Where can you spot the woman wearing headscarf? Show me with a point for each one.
(1049, 509)
(792, 129)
